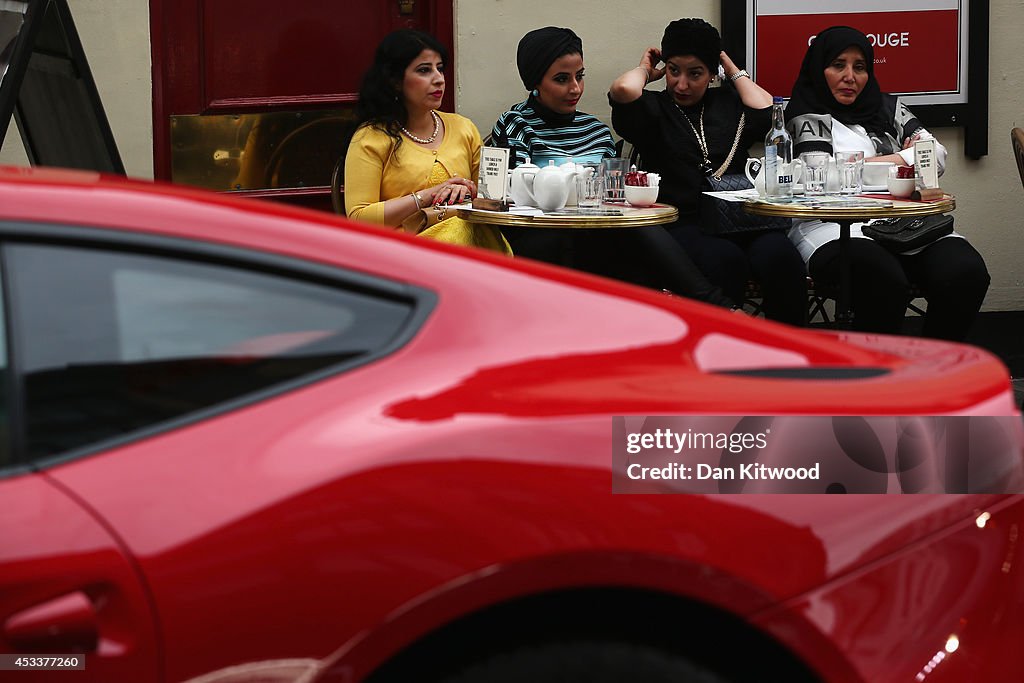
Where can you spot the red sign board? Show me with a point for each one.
(916, 51)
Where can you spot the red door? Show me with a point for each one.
(253, 97)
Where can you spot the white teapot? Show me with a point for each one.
(551, 185)
(754, 172)
(521, 187)
(758, 180)
(572, 170)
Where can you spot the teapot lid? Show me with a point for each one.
(526, 165)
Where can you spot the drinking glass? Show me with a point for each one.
(589, 190)
(815, 172)
(614, 172)
(850, 166)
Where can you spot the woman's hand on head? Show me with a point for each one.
(728, 65)
(649, 61)
(630, 85)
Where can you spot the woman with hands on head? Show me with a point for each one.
(837, 105)
(688, 131)
(406, 156)
(548, 127)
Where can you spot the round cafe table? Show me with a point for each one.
(628, 217)
(846, 216)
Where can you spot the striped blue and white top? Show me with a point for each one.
(531, 130)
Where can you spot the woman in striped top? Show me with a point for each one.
(547, 126)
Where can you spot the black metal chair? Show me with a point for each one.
(338, 186)
(1017, 140)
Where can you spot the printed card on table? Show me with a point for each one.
(493, 172)
(924, 162)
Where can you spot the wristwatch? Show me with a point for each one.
(742, 73)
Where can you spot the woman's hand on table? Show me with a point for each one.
(897, 158)
(452, 191)
(889, 158)
(909, 142)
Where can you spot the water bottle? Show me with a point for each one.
(778, 156)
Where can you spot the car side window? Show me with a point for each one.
(111, 342)
(6, 452)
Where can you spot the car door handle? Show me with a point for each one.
(63, 624)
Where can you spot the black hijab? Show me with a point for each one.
(538, 50)
(811, 94)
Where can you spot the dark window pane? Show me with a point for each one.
(6, 454)
(112, 342)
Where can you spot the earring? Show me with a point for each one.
(535, 93)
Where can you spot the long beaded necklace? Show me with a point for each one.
(427, 141)
(702, 141)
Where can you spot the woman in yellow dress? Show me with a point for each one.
(408, 162)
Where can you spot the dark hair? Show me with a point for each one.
(381, 104)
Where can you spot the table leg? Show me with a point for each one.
(844, 304)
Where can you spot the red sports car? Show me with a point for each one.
(245, 442)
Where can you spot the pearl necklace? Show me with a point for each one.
(433, 136)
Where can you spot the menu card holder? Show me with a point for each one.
(493, 181)
(924, 163)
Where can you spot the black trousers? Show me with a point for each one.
(950, 273)
(768, 257)
(645, 256)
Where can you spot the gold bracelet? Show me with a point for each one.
(419, 200)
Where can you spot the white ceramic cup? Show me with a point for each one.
(899, 187)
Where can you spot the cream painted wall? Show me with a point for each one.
(989, 195)
(115, 35)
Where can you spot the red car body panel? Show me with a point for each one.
(327, 528)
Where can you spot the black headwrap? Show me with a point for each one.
(540, 48)
(693, 37)
(812, 96)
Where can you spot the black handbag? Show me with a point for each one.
(900, 235)
(721, 217)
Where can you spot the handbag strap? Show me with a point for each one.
(717, 175)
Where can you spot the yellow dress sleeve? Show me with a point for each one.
(364, 171)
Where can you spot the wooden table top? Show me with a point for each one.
(807, 210)
(627, 217)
